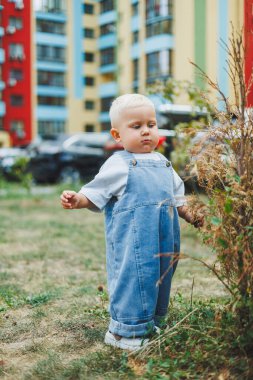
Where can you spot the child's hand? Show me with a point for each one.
(69, 199)
(197, 220)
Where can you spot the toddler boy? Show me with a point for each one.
(142, 197)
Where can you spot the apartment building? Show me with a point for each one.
(63, 62)
(50, 66)
(3, 135)
(16, 71)
(83, 58)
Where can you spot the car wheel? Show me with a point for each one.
(69, 174)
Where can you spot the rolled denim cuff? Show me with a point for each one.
(131, 331)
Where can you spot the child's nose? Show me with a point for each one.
(145, 130)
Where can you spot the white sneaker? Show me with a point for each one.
(131, 344)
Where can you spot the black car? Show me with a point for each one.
(68, 158)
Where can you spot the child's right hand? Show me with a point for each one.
(69, 199)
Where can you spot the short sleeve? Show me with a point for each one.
(110, 181)
(179, 190)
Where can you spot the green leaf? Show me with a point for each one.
(237, 178)
(222, 242)
(216, 221)
(228, 207)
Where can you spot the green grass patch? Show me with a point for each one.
(53, 302)
(11, 296)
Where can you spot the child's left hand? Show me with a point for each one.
(196, 220)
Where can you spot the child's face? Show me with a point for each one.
(137, 129)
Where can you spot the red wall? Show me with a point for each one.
(248, 24)
(23, 87)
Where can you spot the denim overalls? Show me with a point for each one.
(139, 226)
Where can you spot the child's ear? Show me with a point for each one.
(115, 134)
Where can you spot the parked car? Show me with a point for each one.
(70, 158)
(67, 158)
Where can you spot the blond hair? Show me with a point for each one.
(125, 101)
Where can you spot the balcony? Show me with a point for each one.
(109, 40)
(104, 117)
(2, 85)
(51, 91)
(51, 66)
(51, 112)
(108, 68)
(135, 23)
(135, 51)
(108, 89)
(51, 39)
(107, 17)
(2, 109)
(159, 42)
(2, 56)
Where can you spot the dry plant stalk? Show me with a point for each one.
(223, 165)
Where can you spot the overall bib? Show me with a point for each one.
(139, 226)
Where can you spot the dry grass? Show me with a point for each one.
(53, 318)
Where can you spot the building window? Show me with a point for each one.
(51, 101)
(88, 33)
(18, 127)
(159, 64)
(157, 8)
(89, 81)
(88, 9)
(50, 6)
(16, 74)
(161, 27)
(16, 100)
(15, 22)
(89, 57)
(89, 128)
(135, 69)
(135, 9)
(135, 36)
(107, 56)
(89, 104)
(106, 126)
(51, 127)
(46, 26)
(51, 78)
(107, 28)
(106, 6)
(105, 103)
(16, 52)
(51, 53)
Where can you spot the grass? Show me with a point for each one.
(53, 302)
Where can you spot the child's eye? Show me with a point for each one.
(136, 126)
(151, 125)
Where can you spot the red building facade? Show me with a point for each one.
(17, 70)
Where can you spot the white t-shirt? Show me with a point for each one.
(111, 180)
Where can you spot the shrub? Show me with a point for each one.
(222, 162)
